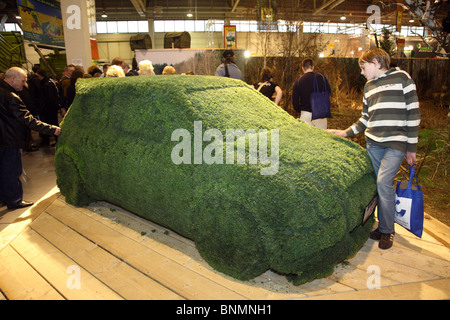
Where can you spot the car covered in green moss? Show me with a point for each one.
(217, 162)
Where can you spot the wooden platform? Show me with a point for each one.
(57, 251)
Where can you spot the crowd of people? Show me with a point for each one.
(390, 117)
(47, 98)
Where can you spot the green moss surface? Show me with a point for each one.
(116, 146)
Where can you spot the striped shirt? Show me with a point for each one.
(390, 115)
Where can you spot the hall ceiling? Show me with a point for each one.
(297, 10)
(306, 10)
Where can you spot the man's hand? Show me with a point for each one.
(411, 157)
(57, 131)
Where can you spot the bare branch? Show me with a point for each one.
(427, 17)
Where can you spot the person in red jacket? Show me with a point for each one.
(15, 120)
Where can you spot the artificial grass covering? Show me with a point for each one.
(117, 145)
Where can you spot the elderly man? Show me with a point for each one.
(15, 119)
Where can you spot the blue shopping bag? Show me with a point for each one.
(409, 203)
(320, 100)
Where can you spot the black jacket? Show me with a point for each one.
(50, 101)
(15, 119)
(302, 89)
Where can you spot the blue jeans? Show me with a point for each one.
(386, 163)
(11, 191)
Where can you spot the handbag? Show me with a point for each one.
(262, 85)
(409, 204)
(320, 100)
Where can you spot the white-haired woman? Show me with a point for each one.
(115, 71)
(146, 68)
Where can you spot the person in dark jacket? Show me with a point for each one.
(50, 103)
(129, 72)
(302, 90)
(29, 102)
(71, 90)
(34, 87)
(15, 119)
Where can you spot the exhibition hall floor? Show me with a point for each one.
(54, 251)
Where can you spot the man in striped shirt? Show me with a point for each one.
(390, 119)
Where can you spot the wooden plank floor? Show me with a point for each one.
(57, 251)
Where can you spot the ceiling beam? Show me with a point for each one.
(235, 5)
(326, 4)
(140, 7)
(334, 5)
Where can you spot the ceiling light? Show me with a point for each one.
(343, 18)
(189, 14)
(412, 20)
(104, 15)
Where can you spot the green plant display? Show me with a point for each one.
(117, 145)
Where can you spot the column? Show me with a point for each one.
(76, 32)
(151, 28)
